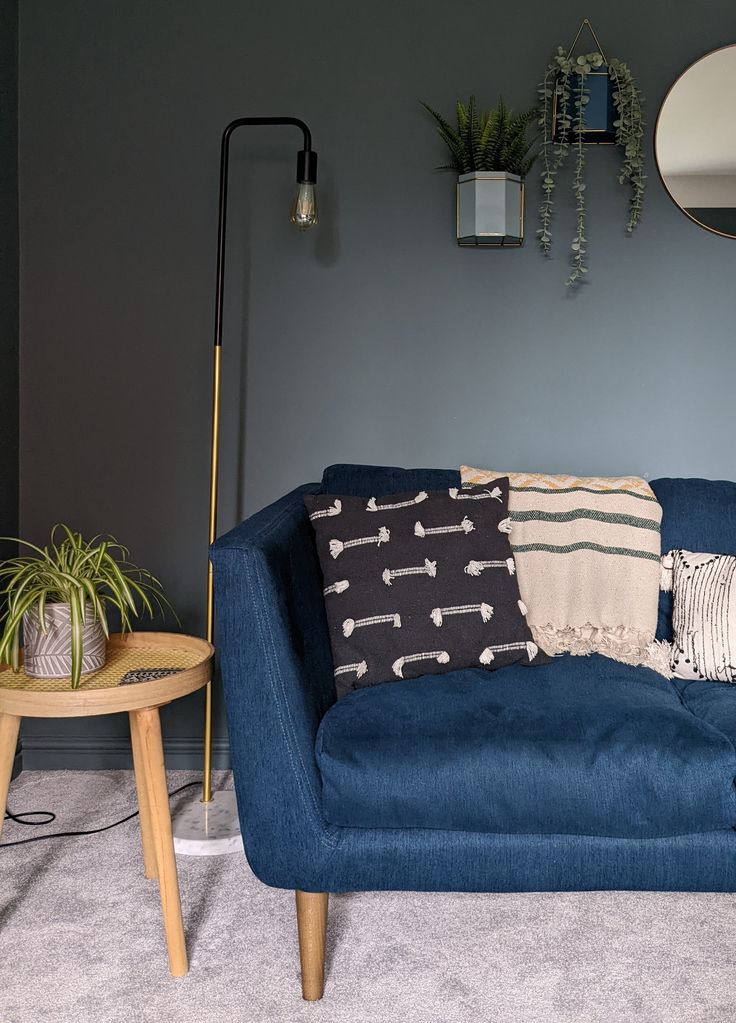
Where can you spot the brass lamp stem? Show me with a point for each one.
(214, 472)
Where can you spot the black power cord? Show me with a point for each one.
(19, 819)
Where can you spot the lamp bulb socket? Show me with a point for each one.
(306, 166)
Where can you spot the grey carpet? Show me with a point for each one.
(81, 940)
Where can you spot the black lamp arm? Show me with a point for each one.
(295, 121)
(306, 171)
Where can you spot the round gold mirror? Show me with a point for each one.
(695, 141)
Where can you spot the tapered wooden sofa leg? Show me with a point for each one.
(311, 920)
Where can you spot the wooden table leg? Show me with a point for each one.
(150, 867)
(148, 726)
(9, 728)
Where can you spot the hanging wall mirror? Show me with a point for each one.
(695, 141)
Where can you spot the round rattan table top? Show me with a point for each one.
(101, 692)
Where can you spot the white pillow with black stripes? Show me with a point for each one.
(704, 616)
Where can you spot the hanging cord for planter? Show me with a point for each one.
(586, 24)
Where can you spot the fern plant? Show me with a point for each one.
(493, 140)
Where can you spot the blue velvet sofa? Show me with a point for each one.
(580, 774)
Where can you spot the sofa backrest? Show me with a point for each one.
(380, 480)
(698, 515)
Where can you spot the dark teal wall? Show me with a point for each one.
(374, 338)
(8, 272)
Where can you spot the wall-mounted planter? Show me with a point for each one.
(490, 209)
(587, 98)
(599, 113)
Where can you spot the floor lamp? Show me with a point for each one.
(210, 827)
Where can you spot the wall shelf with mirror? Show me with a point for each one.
(695, 142)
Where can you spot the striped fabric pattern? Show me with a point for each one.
(704, 616)
(587, 552)
(48, 653)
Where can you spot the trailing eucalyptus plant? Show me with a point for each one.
(564, 94)
(495, 140)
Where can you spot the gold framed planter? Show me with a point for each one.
(490, 210)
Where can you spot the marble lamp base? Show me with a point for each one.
(208, 829)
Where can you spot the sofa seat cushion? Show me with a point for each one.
(583, 746)
(712, 702)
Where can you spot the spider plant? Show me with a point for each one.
(495, 140)
(89, 576)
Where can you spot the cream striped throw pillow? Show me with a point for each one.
(587, 553)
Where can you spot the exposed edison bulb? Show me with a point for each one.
(304, 207)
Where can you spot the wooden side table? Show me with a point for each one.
(101, 693)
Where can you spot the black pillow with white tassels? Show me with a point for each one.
(419, 583)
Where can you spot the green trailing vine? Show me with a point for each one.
(563, 95)
(629, 135)
(579, 264)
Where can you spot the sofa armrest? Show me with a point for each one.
(274, 654)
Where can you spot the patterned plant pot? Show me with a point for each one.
(49, 654)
